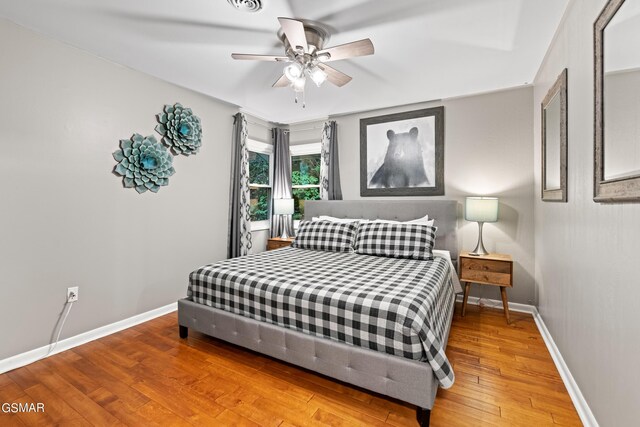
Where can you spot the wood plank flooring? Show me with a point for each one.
(146, 375)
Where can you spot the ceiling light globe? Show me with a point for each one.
(299, 83)
(293, 71)
(317, 75)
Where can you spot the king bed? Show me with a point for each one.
(380, 323)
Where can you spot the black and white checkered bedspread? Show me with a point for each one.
(395, 306)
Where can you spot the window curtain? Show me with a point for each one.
(239, 239)
(281, 185)
(329, 164)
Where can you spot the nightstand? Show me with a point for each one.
(491, 269)
(278, 242)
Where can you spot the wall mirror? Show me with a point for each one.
(554, 141)
(617, 102)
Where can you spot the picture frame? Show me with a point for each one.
(554, 134)
(623, 185)
(402, 154)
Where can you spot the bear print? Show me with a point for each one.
(403, 165)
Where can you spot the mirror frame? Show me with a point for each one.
(618, 190)
(559, 88)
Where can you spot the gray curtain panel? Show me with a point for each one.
(281, 185)
(330, 188)
(239, 239)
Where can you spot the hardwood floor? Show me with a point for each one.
(146, 375)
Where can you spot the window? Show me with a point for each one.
(305, 176)
(260, 167)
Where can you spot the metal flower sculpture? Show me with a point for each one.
(143, 163)
(180, 129)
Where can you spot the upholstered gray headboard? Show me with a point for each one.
(445, 212)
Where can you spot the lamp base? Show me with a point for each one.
(284, 234)
(479, 249)
(477, 254)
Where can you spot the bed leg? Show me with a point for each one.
(184, 331)
(423, 416)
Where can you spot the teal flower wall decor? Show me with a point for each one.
(144, 163)
(180, 129)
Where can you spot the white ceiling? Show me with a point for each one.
(425, 49)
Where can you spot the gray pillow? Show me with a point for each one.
(326, 236)
(396, 240)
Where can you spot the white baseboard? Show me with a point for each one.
(586, 416)
(580, 403)
(492, 303)
(31, 356)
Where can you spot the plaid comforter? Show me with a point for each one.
(395, 306)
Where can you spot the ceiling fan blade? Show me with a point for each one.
(336, 77)
(251, 57)
(294, 32)
(349, 50)
(282, 82)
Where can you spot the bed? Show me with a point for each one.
(312, 308)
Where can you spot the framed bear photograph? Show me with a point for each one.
(402, 154)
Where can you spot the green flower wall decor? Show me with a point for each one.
(144, 163)
(180, 129)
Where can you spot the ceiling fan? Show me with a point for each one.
(304, 42)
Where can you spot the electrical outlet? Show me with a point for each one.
(72, 294)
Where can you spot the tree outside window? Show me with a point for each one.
(305, 181)
(259, 185)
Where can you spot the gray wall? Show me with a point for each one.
(586, 268)
(488, 149)
(65, 219)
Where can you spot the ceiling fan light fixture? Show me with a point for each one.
(299, 84)
(317, 75)
(293, 71)
(305, 53)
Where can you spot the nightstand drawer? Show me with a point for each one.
(487, 277)
(486, 265)
(277, 243)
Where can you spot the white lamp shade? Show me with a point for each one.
(317, 75)
(481, 209)
(283, 206)
(299, 83)
(293, 71)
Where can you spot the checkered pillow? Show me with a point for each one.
(326, 236)
(413, 241)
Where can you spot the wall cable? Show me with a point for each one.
(53, 345)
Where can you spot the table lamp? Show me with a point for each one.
(481, 210)
(283, 207)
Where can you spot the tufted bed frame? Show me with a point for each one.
(404, 379)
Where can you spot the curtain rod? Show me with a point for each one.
(287, 130)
